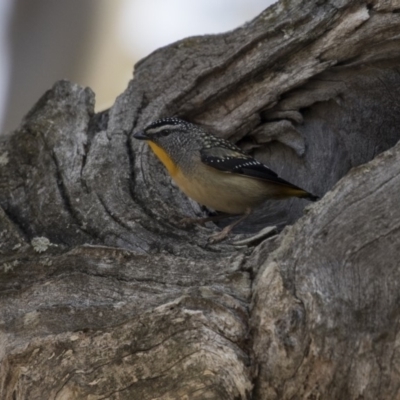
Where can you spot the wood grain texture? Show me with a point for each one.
(335, 328)
(104, 295)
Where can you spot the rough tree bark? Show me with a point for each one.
(103, 295)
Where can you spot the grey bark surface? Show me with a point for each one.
(104, 295)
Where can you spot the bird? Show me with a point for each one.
(215, 172)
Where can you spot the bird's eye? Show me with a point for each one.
(165, 132)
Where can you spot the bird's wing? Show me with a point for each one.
(227, 157)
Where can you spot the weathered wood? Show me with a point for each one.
(104, 295)
(326, 304)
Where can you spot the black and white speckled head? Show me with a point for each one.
(178, 138)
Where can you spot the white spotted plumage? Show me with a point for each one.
(216, 172)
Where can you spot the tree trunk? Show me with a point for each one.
(104, 295)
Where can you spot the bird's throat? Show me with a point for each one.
(164, 158)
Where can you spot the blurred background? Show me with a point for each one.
(96, 42)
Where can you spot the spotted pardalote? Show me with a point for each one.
(213, 171)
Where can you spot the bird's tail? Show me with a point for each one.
(309, 196)
(295, 191)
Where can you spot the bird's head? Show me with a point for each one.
(176, 137)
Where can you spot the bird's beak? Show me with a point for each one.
(141, 136)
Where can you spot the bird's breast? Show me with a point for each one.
(164, 158)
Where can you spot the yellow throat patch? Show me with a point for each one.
(164, 158)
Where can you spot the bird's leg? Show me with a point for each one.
(227, 230)
(201, 221)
